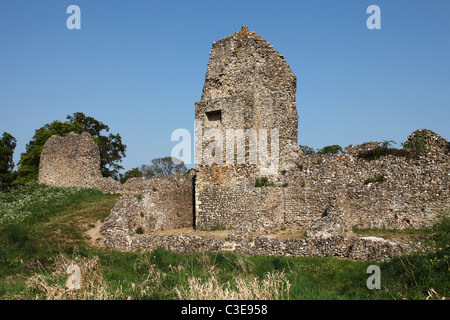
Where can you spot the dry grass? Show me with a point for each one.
(290, 233)
(273, 286)
(52, 286)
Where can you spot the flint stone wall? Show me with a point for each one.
(324, 238)
(340, 246)
(149, 205)
(71, 161)
(414, 191)
(253, 88)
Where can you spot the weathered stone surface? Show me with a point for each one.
(338, 245)
(432, 143)
(354, 150)
(70, 161)
(414, 190)
(148, 205)
(253, 88)
(326, 226)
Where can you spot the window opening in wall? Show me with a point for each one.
(214, 116)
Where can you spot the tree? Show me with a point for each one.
(334, 149)
(111, 147)
(307, 150)
(164, 166)
(133, 173)
(112, 150)
(7, 145)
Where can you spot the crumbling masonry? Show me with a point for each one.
(249, 98)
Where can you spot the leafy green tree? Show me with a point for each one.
(164, 166)
(7, 145)
(112, 150)
(334, 149)
(307, 150)
(133, 173)
(111, 147)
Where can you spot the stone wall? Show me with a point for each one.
(253, 89)
(149, 205)
(413, 190)
(69, 161)
(321, 245)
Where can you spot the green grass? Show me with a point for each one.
(37, 244)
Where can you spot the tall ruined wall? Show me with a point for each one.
(249, 85)
(249, 91)
(69, 161)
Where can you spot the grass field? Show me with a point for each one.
(43, 232)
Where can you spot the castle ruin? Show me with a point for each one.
(253, 180)
(248, 113)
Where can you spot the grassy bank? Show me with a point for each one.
(43, 232)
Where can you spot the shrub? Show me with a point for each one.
(382, 152)
(334, 149)
(307, 150)
(377, 179)
(263, 182)
(417, 145)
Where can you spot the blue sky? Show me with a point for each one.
(139, 66)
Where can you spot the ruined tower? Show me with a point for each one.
(246, 128)
(71, 161)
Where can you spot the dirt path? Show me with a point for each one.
(95, 237)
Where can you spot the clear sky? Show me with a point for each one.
(139, 66)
